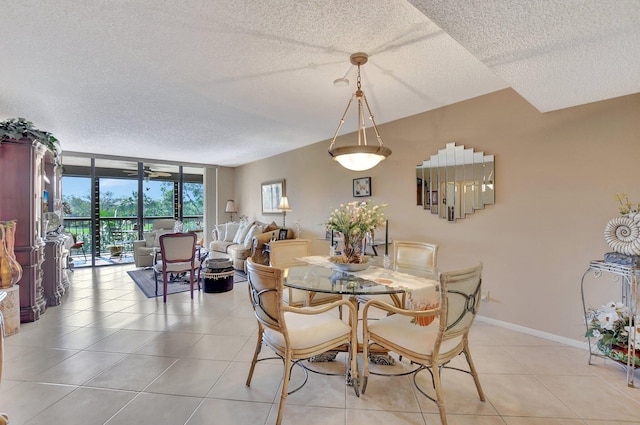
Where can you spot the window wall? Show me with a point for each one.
(109, 203)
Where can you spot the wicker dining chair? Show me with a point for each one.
(286, 253)
(433, 346)
(293, 333)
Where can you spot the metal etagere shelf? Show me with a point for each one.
(628, 278)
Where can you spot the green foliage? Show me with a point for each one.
(18, 128)
(193, 199)
(127, 206)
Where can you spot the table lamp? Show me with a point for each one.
(231, 208)
(284, 207)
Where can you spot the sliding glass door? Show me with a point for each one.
(110, 203)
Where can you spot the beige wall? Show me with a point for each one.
(556, 175)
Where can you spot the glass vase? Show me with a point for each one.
(353, 249)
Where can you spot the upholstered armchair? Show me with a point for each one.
(143, 249)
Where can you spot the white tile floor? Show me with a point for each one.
(109, 355)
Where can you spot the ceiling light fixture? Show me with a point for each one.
(343, 81)
(362, 156)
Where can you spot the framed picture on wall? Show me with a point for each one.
(272, 191)
(362, 187)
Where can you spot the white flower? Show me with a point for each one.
(596, 333)
(606, 319)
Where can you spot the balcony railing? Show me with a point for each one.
(117, 231)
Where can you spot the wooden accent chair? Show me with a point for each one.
(178, 255)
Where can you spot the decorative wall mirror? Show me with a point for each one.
(456, 182)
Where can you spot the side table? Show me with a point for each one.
(627, 276)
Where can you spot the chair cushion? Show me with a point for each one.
(177, 267)
(309, 330)
(399, 330)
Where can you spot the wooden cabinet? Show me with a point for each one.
(52, 269)
(21, 197)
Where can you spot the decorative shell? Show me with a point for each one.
(623, 234)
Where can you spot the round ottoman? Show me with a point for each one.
(218, 275)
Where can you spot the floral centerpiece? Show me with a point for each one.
(353, 221)
(610, 325)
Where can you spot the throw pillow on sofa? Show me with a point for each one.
(232, 229)
(244, 228)
(270, 228)
(221, 229)
(255, 230)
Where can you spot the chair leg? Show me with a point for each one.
(472, 370)
(165, 279)
(439, 398)
(191, 282)
(365, 367)
(155, 276)
(255, 356)
(353, 358)
(285, 386)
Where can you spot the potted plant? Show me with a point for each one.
(20, 128)
(610, 326)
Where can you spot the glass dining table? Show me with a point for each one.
(373, 281)
(332, 281)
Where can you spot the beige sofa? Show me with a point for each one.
(240, 241)
(143, 249)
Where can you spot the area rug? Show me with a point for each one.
(145, 281)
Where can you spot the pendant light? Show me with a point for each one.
(362, 156)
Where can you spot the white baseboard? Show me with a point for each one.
(534, 332)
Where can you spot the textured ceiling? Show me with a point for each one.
(554, 53)
(230, 81)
